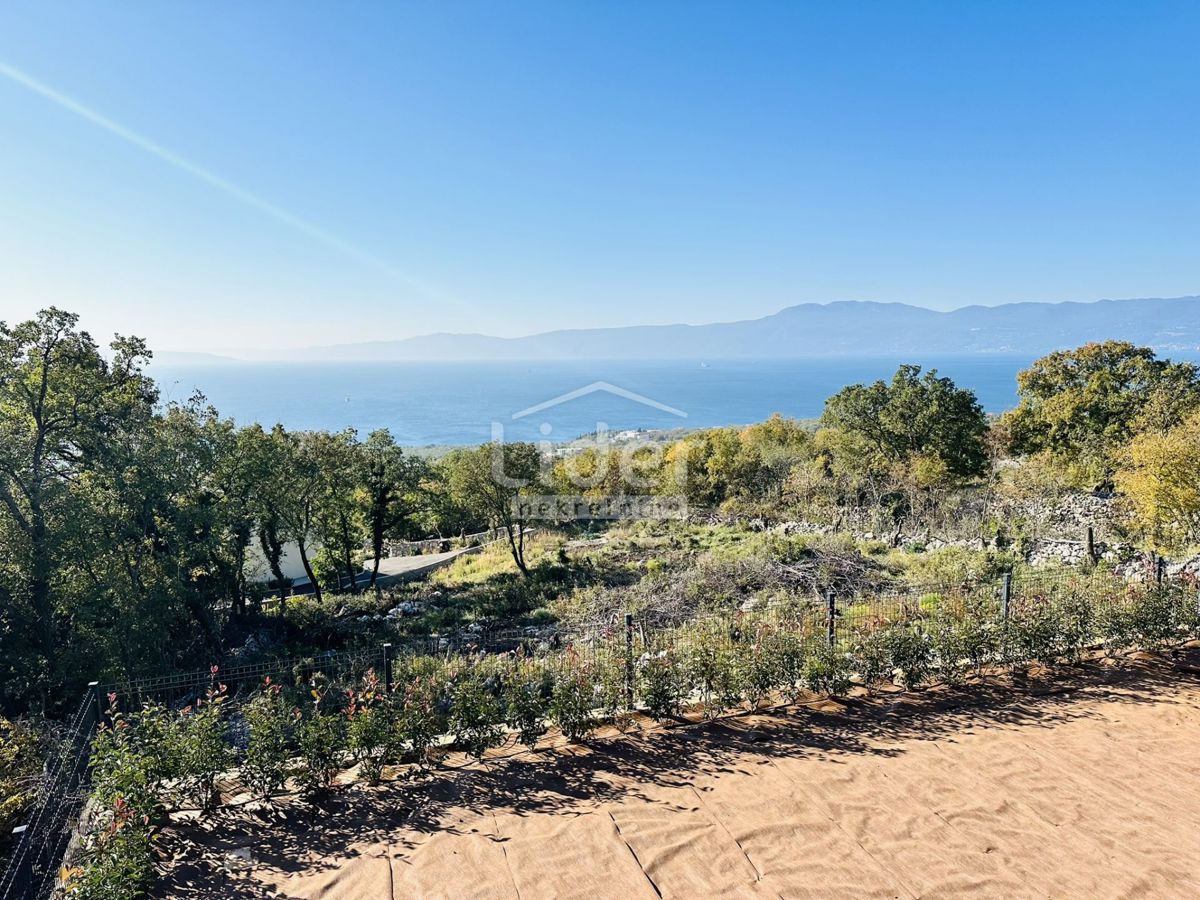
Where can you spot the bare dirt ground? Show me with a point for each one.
(1081, 784)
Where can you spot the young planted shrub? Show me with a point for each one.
(370, 731)
(268, 750)
(1036, 631)
(421, 715)
(791, 653)
(760, 664)
(574, 698)
(661, 684)
(202, 748)
(527, 700)
(116, 862)
(1116, 625)
(894, 649)
(127, 772)
(1156, 616)
(964, 636)
(609, 677)
(871, 655)
(712, 669)
(476, 713)
(1077, 616)
(321, 740)
(826, 671)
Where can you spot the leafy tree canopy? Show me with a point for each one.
(1086, 404)
(911, 417)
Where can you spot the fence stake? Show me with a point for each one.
(629, 661)
(98, 699)
(1160, 570)
(387, 668)
(1091, 543)
(1005, 595)
(831, 616)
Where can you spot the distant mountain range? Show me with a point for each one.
(850, 328)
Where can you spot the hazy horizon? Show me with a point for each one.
(269, 354)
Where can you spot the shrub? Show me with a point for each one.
(609, 676)
(1077, 615)
(370, 731)
(661, 684)
(712, 668)
(126, 773)
(265, 763)
(422, 712)
(1156, 616)
(527, 695)
(826, 671)
(791, 651)
(20, 768)
(321, 740)
(902, 649)
(200, 743)
(117, 863)
(1036, 631)
(476, 714)
(965, 632)
(872, 656)
(760, 666)
(573, 699)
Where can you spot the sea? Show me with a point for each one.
(457, 403)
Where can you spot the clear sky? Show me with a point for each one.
(221, 175)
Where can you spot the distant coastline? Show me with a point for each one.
(841, 329)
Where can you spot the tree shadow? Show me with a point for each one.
(310, 837)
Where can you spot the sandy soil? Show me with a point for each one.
(1080, 785)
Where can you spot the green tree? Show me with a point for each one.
(490, 481)
(392, 481)
(1084, 405)
(914, 416)
(305, 491)
(1159, 476)
(339, 509)
(61, 403)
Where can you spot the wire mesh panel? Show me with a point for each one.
(32, 872)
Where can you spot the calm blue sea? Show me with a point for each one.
(458, 402)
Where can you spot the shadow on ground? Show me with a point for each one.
(303, 837)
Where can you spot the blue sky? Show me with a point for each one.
(294, 173)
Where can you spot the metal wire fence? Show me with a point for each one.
(609, 653)
(42, 842)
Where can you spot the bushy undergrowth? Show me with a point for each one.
(21, 750)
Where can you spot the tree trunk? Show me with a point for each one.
(272, 548)
(346, 557)
(309, 572)
(376, 550)
(41, 599)
(518, 549)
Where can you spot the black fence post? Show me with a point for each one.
(20, 877)
(629, 661)
(1091, 543)
(1005, 596)
(387, 668)
(1160, 571)
(831, 617)
(98, 699)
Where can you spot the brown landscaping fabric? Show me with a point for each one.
(1086, 784)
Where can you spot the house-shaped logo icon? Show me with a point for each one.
(598, 387)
